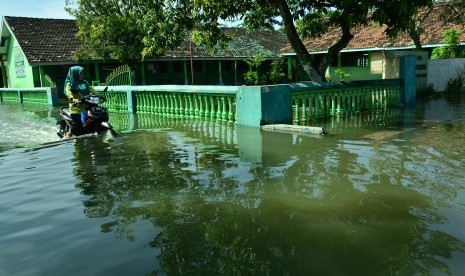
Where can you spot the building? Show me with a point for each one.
(37, 52)
(371, 54)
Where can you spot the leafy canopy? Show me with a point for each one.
(128, 30)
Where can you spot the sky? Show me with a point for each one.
(34, 8)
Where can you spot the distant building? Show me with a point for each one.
(371, 54)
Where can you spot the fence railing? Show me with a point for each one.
(212, 102)
(334, 99)
(26, 95)
(298, 103)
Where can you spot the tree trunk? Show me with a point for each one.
(296, 42)
(414, 30)
(334, 50)
(415, 36)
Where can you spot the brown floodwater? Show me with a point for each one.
(382, 194)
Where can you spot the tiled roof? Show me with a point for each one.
(54, 41)
(373, 37)
(45, 40)
(242, 44)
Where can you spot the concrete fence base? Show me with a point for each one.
(295, 129)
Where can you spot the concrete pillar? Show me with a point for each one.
(220, 72)
(52, 96)
(263, 105)
(407, 72)
(132, 104)
(289, 69)
(186, 81)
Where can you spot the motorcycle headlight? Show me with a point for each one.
(94, 100)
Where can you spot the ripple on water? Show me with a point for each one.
(24, 127)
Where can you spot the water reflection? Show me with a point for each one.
(269, 203)
(380, 195)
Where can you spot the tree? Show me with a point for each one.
(454, 11)
(135, 28)
(453, 49)
(121, 29)
(318, 16)
(414, 30)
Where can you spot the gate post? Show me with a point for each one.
(263, 105)
(132, 103)
(407, 72)
(52, 96)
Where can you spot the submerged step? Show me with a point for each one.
(295, 129)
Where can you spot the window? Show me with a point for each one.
(355, 59)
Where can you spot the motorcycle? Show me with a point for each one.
(96, 120)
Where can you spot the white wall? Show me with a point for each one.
(440, 71)
(391, 65)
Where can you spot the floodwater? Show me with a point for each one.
(383, 194)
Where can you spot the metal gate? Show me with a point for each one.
(119, 76)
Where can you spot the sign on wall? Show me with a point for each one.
(19, 63)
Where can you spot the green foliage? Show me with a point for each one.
(260, 73)
(427, 92)
(453, 49)
(253, 77)
(255, 62)
(129, 30)
(456, 86)
(278, 68)
(397, 15)
(341, 74)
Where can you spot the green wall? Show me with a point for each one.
(356, 73)
(17, 59)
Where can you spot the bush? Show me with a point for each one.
(277, 74)
(427, 92)
(341, 74)
(251, 78)
(453, 49)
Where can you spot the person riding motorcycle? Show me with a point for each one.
(76, 88)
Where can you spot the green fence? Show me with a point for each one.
(312, 100)
(213, 102)
(28, 95)
(297, 103)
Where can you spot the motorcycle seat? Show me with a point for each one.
(65, 112)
